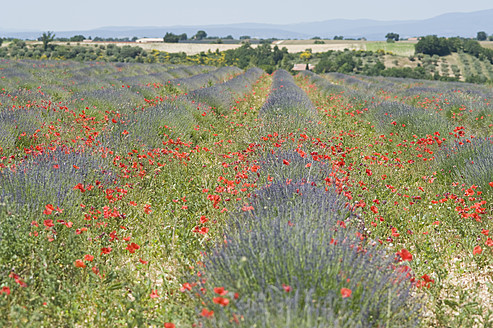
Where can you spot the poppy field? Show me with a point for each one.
(195, 196)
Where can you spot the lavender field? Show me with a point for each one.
(196, 196)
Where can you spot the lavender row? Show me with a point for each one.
(293, 251)
(222, 95)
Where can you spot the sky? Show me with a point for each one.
(69, 15)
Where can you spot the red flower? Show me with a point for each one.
(48, 223)
(206, 313)
(285, 162)
(5, 290)
(48, 209)
(221, 301)
(374, 209)
(220, 291)
(132, 247)
(147, 209)
(477, 250)
(79, 264)
(169, 325)
(203, 219)
(88, 257)
(405, 255)
(143, 262)
(489, 242)
(105, 250)
(346, 292)
(287, 288)
(154, 294)
(491, 184)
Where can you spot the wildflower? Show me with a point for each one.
(405, 255)
(79, 264)
(5, 290)
(132, 247)
(489, 242)
(169, 325)
(88, 257)
(106, 250)
(154, 294)
(220, 291)
(346, 292)
(477, 250)
(221, 301)
(206, 313)
(286, 288)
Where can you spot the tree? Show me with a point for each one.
(433, 45)
(171, 38)
(200, 35)
(340, 37)
(183, 37)
(1, 41)
(245, 37)
(77, 38)
(482, 36)
(46, 38)
(392, 37)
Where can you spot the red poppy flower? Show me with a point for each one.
(285, 162)
(88, 257)
(286, 288)
(105, 250)
(489, 242)
(169, 325)
(346, 292)
(5, 290)
(221, 301)
(477, 250)
(48, 223)
(220, 291)
(132, 247)
(79, 264)
(206, 313)
(154, 294)
(48, 209)
(405, 255)
(143, 262)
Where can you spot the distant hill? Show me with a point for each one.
(451, 24)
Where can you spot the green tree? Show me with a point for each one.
(200, 35)
(433, 45)
(171, 38)
(392, 37)
(46, 38)
(77, 38)
(482, 36)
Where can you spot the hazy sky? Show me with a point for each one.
(65, 15)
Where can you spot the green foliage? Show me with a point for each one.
(46, 38)
(77, 38)
(481, 36)
(392, 36)
(171, 38)
(200, 35)
(432, 45)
